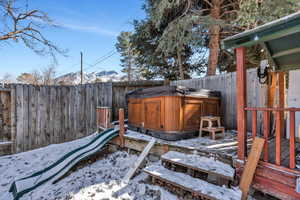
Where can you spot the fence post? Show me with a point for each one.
(122, 127)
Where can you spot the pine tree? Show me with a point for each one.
(198, 23)
(128, 53)
(158, 61)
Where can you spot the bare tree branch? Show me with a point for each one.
(24, 24)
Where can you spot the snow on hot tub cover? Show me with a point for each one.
(172, 91)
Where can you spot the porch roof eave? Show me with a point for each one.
(280, 38)
(267, 32)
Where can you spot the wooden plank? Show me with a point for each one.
(254, 123)
(250, 166)
(122, 127)
(241, 102)
(292, 140)
(266, 124)
(19, 118)
(13, 118)
(278, 138)
(5, 115)
(77, 109)
(199, 188)
(26, 140)
(139, 161)
(31, 116)
(47, 115)
(281, 84)
(200, 164)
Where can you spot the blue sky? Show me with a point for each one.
(90, 26)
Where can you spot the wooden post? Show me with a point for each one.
(281, 83)
(104, 117)
(278, 138)
(122, 127)
(254, 123)
(241, 102)
(292, 140)
(266, 131)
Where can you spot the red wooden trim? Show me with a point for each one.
(279, 168)
(254, 123)
(241, 101)
(276, 189)
(292, 139)
(281, 83)
(276, 180)
(122, 127)
(266, 125)
(278, 137)
(272, 109)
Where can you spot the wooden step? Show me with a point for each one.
(200, 163)
(217, 128)
(192, 185)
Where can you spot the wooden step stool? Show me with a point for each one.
(210, 128)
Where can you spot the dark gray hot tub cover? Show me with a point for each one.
(172, 91)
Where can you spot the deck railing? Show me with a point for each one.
(278, 132)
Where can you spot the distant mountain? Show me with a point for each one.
(101, 76)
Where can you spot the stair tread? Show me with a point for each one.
(213, 128)
(193, 184)
(200, 163)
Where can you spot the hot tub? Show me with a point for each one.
(170, 112)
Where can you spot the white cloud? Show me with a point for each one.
(89, 29)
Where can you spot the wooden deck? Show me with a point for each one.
(223, 149)
(285, 154)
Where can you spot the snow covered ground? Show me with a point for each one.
(99, 180)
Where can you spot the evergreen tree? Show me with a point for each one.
(156, 61)
(128, 53)
(200, 23)
(179, 38)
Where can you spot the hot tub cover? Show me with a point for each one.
(172, 91)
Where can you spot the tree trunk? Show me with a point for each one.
(214, 43)
(129, 69)
(181, 70)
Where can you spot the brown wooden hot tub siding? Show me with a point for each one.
(171, 115)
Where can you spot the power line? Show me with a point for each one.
(98, 61)
(102, 60)
(105, 55)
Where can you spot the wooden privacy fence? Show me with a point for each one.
(43, 115)
(35, 116)
(226, 84)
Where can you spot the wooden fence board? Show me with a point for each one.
(19, 117)
(5, 115)
(226, 84)
(13, 118)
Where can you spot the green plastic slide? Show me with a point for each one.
(62, 165)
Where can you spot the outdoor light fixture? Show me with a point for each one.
(262, 72)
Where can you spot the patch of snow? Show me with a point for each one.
(186, 181)
(228, 144)
(5, 142)
(100, 76)
(201, 163)
(26, 163)
(99, 180)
